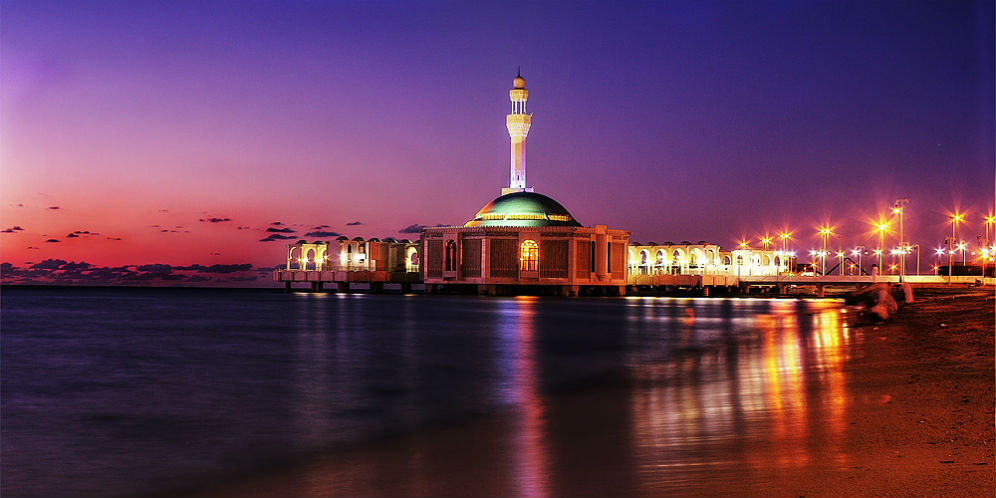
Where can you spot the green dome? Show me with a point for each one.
(523, 209)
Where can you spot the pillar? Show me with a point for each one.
(342, 286)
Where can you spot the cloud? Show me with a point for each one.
(32, 247)
(243, 228)
(215, 220)
(83, 232)
(54, 207)
(277, 236)
(277, 223)
(49, 264)
(281, 230)
(164, 210)
(322, 233)
(155, 267)
(216, 268)
(52, 240)
(113, 238)
(354, 223)
(15, 228)
(319, 227)
(72, 236)
(59, 271)
(415, 228)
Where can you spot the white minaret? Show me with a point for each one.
(518, 123)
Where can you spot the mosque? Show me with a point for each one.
(524, 240)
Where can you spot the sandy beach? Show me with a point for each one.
(905, 408)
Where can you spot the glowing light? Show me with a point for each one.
(744, 244)
(939, 251)
(855, 252)
(878, 252)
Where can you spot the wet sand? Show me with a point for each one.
(901, 409)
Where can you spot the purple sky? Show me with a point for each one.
(697, 120)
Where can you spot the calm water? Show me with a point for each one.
(116, 392)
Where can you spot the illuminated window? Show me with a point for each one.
(529, 259)
(558, 217)
(660, 258)
(592, 257)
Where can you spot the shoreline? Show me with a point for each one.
(917, 420)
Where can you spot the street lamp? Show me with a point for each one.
(765, 241)
(825, 231)
(881, 227)
(840, 256)
(899, 208)
(955, 219)
(858, 251)
(784, 236)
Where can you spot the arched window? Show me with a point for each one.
(677, 257)
(412, 259)
(450, 256)
(693, 259)
(660, 258)
(778, 261)
(644, 256)
(529, 255)
(740, 259)
(726, 260)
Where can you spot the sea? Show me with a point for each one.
(138, 391)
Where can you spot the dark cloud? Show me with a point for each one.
(15, 228)
(277, 223)
(281, 230)
(72, 236)
(214, 254)
(74, 266)
(319, 227)
(164, 230)
(415, 228)
(155, 267)
(354, 223)
(83, 232)
(164, 210)
(20, 205)
(322, 233)
(32, 247)
(113, 238)
(215, 268)
(49, 264)
(277, 236)
(54, 207)
(215, 220)
(59, 271)
(52, 240)
(243, 228)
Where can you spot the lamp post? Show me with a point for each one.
(882, 227)
(917, 246)
(955, 219)
(840, 256)
(825, 231)
(784, 236)
(899, 208)
(858, 251)
(989, 220)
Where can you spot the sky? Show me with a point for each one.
(203, 136)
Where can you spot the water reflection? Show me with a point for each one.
(766, 389)
(518, 383)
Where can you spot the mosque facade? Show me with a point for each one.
(524, 240)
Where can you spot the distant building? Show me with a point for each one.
(524, 241)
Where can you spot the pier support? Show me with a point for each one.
(342, 286)
(287, 286)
